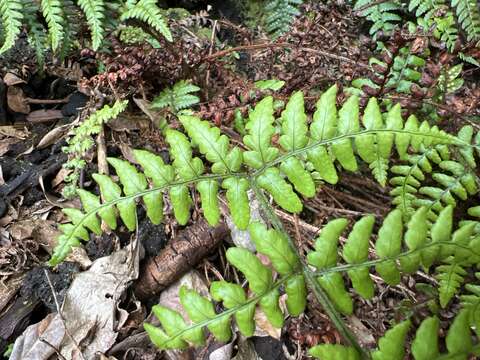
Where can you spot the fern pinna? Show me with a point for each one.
(305, 155)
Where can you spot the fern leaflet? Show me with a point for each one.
(11, 16)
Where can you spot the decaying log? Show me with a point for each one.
(182, 254)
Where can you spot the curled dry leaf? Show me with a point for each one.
(11, 79)
(53, 136)
(16, 100)
(156, 117)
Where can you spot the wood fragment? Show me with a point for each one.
(185, 251)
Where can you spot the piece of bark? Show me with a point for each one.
(185, 251)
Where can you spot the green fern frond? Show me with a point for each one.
(468, 15)
(70, 28)
(453, 180)
(11, 17)
(280, 15)
(82, 141)
(53, 12)
(36, 32)
(94, 11)
(471, 302)
(334, 137)
(265, 291)
(149, 12)
(178, 97)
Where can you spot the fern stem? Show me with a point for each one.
(282, 45)
(320, 294)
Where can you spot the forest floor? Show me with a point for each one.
(328, 44)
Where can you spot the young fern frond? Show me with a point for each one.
(94, 11)
(280, 15)
(11, 21)
(455, 179)
(53, 12)
(149, 12)
(178, 97)
(425, 344)
(334, 139)
(82, 141)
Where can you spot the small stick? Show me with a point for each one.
(212, 39)
(59, 354)
(285, 45)
(61, 315)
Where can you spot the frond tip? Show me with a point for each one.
(94, 11)
(280, 15)
(11, 17)
(178, 97)
(149, 12)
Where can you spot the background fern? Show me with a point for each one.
(439, 15)
(178, 97)
(11, 16)
(280, 14)
(60, 17)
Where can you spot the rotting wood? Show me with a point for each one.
(184, 252)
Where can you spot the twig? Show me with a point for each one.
(284, 45)
(59, 354)
(48, 101)
(59, 311)
(212, 39)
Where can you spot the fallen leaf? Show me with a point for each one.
(363, 334)
(5, 145)
(155, 116)
(9, 289)
(15, 131)
(16, 100)
(11, 79)
(58, 179)
(22, 230)
(41, 116)
(224, 352)
(53, 136)
(89, 312)
(127, 123)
